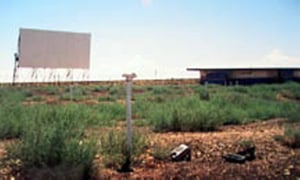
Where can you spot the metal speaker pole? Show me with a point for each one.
(126, 166)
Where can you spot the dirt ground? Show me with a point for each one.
(273, 160)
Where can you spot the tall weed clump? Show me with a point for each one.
(11, 120)
(54, 137)
(290, 90)
(75, 93)
(116, 91)
(13, 95)
(49, 90)
(185, 114)
(109, 112)
(211, 106)
(291, 136)
(113, 147)
(159, 90)
(12, 112)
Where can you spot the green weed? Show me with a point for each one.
(114, 149)
(53, 136)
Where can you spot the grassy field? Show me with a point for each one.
(59, 127)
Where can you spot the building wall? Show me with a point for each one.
(203, 74)
(249, 76)
(297, 73)
(240, 74)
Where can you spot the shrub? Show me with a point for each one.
(37, 98)
(246, 143)
(161, 152)
(113, 147)
(50, 90)
(117, 91)
(240, 89)
(291, 136)
(292, 113)
(290, 90)
(233, 115)
(203, 94)
(11, 120)
(73, 93)
(100, 88)
(141, 106)
(54, 137)
(114, 111)
(107, 98)
(140, 122)
(185, 114)
(158, 90)
(263, 91)
(13, 95)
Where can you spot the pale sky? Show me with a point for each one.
(161, 38)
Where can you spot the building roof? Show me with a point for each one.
(243, 68)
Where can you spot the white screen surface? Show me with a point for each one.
(54, 49)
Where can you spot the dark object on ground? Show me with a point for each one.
(249, 153)
(235, 158)
(181, 153)
(126, 166)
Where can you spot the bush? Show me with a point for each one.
(290, 90)
(117, 91)
(100, 89)
(263, 91)
(54, 137)
(292, 113)
(37, 98)
(158, 90)
(233, 115)
(246, 143)
(185, 114)
(161, 152)
(73, 93)
(13, 95)
(50, 90)
(107, 98)
(109, 112)
(113, 147)
(11, 120)
(203, 94)
(291, 136)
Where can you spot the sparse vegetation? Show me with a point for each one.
(292, 133)
(161, 152)
(108, 98)
(37, 98)
(291, 136)
(100, 88)
(51, 137)
(11, 120)
(49, 90)
(113, 147)
(246, 143)
(73, 93)
(58, 136)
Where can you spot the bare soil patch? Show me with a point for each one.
(273, 160)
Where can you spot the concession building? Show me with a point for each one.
(246, 76)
